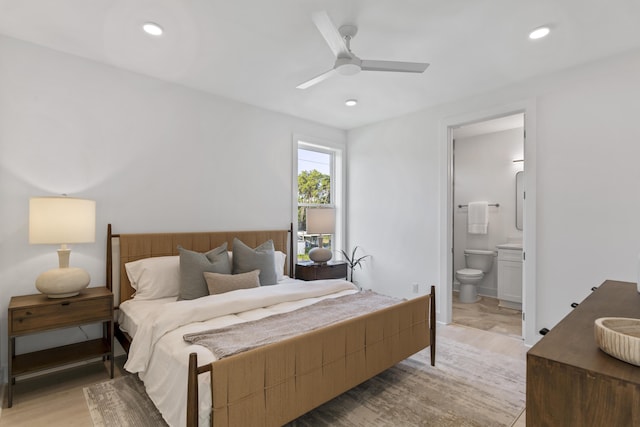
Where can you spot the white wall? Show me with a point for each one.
(155, 156)
(587, 185)
(484, 170)
(393, 203)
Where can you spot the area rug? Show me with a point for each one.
(467, 387)
(122, 402)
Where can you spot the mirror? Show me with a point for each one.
(519, 198)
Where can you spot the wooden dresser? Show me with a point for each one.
(570, 381)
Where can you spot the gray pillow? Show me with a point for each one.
(261, 258)
(194, 264)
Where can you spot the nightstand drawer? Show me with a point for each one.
(59, 314)
(329, 271)
(335, 270)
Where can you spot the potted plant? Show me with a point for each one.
(353, 262)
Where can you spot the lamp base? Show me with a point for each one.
(320, 255)
(62, 282)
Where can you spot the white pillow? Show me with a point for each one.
(279, 259)
(156, 277)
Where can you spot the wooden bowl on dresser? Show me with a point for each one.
(619, 337)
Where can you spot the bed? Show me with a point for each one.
(268, 385)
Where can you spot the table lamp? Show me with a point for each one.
(62, 220)
(321, 221)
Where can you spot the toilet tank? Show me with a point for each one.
(479, 259)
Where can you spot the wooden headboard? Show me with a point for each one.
(137, 246)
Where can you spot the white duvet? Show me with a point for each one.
(160, 356)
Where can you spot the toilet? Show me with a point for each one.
(478, 263)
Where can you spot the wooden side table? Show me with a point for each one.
(29, 314)
(330, 270)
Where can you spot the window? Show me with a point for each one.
(318, 185)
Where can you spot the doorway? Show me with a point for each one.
(527, 108)
(487, 158)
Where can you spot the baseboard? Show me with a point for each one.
(482, 291)
(488, 292)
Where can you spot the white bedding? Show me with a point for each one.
(160, 355)
(131, 313)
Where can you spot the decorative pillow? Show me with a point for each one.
(279, 259)
(153, 278)
(261, 258)
(194, 264)
(221, 283)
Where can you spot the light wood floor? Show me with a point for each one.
(57, 400)
(496, 342)
(488, 316)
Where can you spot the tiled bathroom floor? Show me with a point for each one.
(486, 315)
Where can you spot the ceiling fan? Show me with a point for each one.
(347, 63)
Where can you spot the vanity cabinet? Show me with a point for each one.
(510, 276)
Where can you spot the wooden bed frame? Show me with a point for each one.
(133, 247)
(276, 383)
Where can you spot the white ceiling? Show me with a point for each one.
(258, 51)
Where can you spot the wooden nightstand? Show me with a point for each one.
(330, 270)
(29, 314)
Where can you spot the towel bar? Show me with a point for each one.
(497, 205)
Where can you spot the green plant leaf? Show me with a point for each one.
(352, 261)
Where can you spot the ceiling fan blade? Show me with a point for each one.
(330, 33)
(405, 67)
(317, 79)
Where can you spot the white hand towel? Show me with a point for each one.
(478, 218)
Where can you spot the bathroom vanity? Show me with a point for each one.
(510, 275)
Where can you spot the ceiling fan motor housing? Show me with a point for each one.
(348, 66)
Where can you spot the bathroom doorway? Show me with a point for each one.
(527, 107)
(487, 232)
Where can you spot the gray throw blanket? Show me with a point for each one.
(230, 340)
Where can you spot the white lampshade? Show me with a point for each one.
(62, 220)
(321, 220)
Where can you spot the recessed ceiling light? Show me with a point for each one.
(351, 102)
(152, 28)
(539, 33)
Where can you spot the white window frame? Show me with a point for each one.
(338, 182)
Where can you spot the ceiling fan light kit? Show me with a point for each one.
(347, 63)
